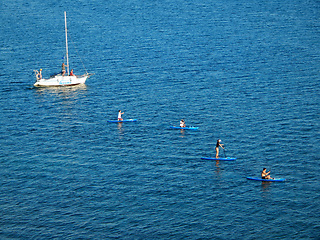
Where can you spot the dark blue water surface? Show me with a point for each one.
(246, 72)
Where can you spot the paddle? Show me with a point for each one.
(224, 153)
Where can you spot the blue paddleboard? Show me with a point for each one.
(186, 128)
(266, 180)
(124, 120)
(219, 159)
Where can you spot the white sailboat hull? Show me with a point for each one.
(60, 80)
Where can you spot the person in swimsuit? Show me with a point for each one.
(217, 147)
(120, 115)
(182, 123)
(71, 73)
(265, 174)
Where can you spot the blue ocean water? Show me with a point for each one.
(246, 72)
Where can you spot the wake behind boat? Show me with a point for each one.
(63, 79)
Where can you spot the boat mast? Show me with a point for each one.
(65, 23)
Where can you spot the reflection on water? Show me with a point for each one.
(217, 163)
(68, 94)
(265, 187)
(61, 90)
(182, 131)
(218, 169)
(63, 101)
(120, 129)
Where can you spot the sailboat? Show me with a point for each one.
(62, 79)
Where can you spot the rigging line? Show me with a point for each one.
(77, 53)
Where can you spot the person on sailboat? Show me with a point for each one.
(39, 75)
(120, 115)
(63, 69)
(71, 73)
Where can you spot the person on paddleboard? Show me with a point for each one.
(265, 174)
(217, 147)
(182, 123)
(120, 115)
